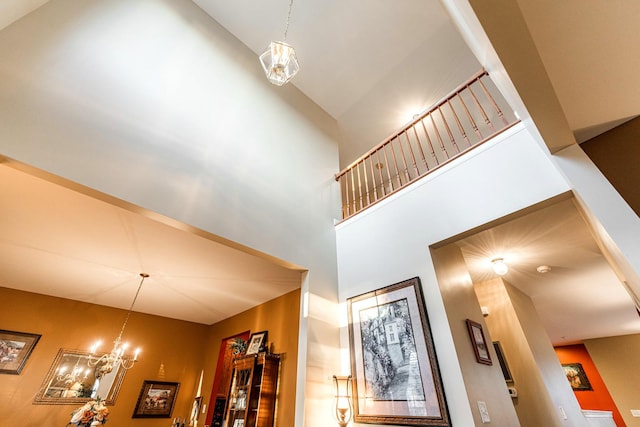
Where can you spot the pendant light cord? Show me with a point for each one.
(144, 276)
(286, 29)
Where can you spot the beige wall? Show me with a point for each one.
(183, 349)
(510, 310)
(616, 153)
(507, 30)
(617, 361)
(533, 405)
(548, 365)
(483, 383)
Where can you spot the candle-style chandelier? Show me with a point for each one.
(118, 356)
(75, 375)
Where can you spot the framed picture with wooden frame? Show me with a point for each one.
(479, 343)
(576, 376)
(156, 399)
(15, 349)
(396, 379)
(506, 372)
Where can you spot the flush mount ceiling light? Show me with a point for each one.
(279, 60)
(543, 269)
(499, 266)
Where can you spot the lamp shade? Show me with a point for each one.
(279, 62)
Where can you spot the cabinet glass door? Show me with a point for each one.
(240, 389)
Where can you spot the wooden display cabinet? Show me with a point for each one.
(252, 396)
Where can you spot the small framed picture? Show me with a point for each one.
(576, 376)
(479, 342)
(257, 342)
(156, 399)
(15, 349)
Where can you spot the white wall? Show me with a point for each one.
(390, 242)
(154, 103)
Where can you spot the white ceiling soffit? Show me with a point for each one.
(370, 65)
(55, 241)
(581, 297)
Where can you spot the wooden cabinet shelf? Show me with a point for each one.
(252, 396)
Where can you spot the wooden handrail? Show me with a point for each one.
(455, 125)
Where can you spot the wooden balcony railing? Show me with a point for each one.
(470, 115)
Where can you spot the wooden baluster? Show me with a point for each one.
(493, 102)
(386, 164)
(353, 192)
(444, 150)
(381, 166)
(404, 160)
(345, 194)
(460, 128)
(484, 114)
(373, 178)
(423, 158)
(366, 181)
(359, 185)
(470, 117)
(395, 162)
(413, 157)
(446, 126)
(433, 153)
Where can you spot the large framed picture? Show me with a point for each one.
(15, 349)
(479, 342)
(156, 399)
(576, 376)
(396, 379)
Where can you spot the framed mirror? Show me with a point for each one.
(71, 380)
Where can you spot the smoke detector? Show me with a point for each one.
(543, 269)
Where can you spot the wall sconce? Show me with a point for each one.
(499, 266)
(344, 405)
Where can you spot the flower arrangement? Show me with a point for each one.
(92, 413)
(238, 346)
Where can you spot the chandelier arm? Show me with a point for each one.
(108, 361)
(127, 363)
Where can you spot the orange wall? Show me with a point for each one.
(281, 318)
(176, 345)
(182, 349)
(599, 398)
